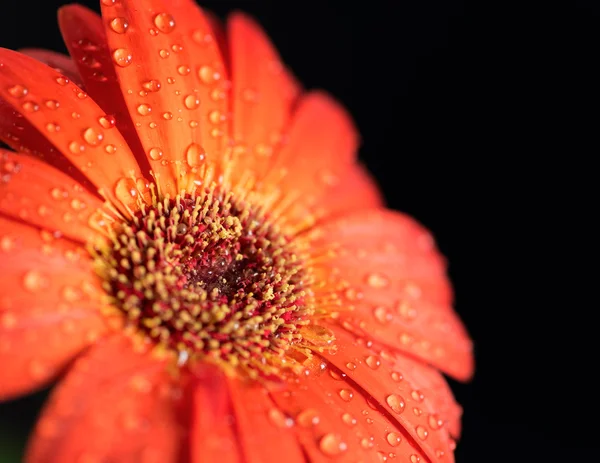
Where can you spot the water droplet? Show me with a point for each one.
(382, 455)
(76, 148)
(337, 376)
(395, 402)
(216, 117)
(332, 444)
(52, 104)
(152, 85)
(280, 420)
(373, 362)
(308, 418)
(208, 75)
(107, 121)
(125, 190)
(119, 25)
(144, 109)
(52, 127)
(92, 136)
(62, 81)
(164, 22)
(122, 57)
(167, 116)
(191, 102)
(417, 411)
(415, 458)
(406, 311)
(194, 154)
(217, 94)
(346, 395)
(348, 419)
(417, 395)
(75, 115)
(155, 154)
(18, 91)
(110, 149)
(394, 439)
(184, 70)
(382, 315)
(34, 281)
(31, 106)
(109, 2)
(177, 48)
(422, 433)
(194, 124)
(164, 54)
(59, 193)
(377, 280)
(351, 366)
(396, 376)
(435, 422)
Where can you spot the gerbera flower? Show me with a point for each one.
(188, 242)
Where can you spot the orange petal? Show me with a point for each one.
(21, 136)
(378, 271)
(335, 421)
(71, 121)
(83, 32)
(265, 433)
(49, 306)
(373, 372)
(263, 93)
(173, 81)
(115, 404)
(59, 62)
(321, 146)
(212, 434)
(33, 191)
(355, 190)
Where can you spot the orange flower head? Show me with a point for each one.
(189, 244)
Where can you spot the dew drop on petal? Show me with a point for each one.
(164, 53)
(107, 121)
(415, 458)
(167, 116)
(92, 136)
(351, 366)
(348, 419)
(422, 433)
(31, 106)
(278, 418)
(207, 75)
(191, 102)
(194, 154)
(155, 154)
(332, 444)
(122, 57)
(109, 2)
(62, 81)
(76, 147)
(417, 395)
(144, 109)
(164, 22)
(393, 438)
(183, 70)
(18, 91)
(396, 403)
(308, 418)
(52, 104)
(152, 85)
(125, 190)
(110, 149)
(119, 25)
(373, 362)
(435, 422)
(396, 376)
(346, 395)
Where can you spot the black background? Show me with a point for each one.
(480, 121)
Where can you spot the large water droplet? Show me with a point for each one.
(144, 109)
(346, 395)
(122, 57)
(76, 147)
(164, 22)
(183, 70)
(435, 422)
(119, 25)
(208, 75)
(155, 154)
(396, 403)
(18, 91)
(308, 418)
(191, 102)
(373, 362)
(194, 154)
(422, 433)
(92, 136)
(332, 444)
(393, 438)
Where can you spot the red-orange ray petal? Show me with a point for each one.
(434, 386)
(220, 35)
(382, 258)
(335, 422)
(373, 372)
(59, 62)
(83, 32)
(213, 436)
(355, 190)
(263, 93)
(72, 122)
(32, 191)
(321, 145)
(265, 433)
(21, 136)
(115, 404)
(173, 81)
(49, 306)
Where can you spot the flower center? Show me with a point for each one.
(206, 274)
